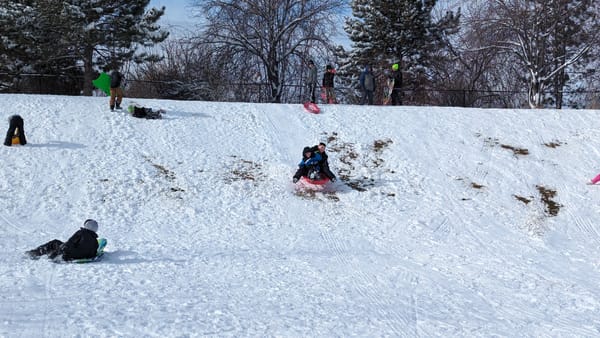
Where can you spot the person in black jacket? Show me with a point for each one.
(83, 244)
(15, 128)
(397, 90)
(328, 84)
(116, 93)
(323, 163)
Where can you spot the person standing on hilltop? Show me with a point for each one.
(116, 93)
(328, 84)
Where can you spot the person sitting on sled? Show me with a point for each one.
(309, 166)
(83, 244)
(324, 164)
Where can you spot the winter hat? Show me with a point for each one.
(328, 67)
(395, 67)
(306, 150)
(90, 224)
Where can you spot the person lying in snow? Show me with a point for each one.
(143, 112)
(83, 244)
(309, 165)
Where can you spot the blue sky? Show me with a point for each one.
(177, 12)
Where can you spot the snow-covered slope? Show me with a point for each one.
(446, 221)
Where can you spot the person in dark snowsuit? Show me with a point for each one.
(116, 93)
(309, 165)
(397, 90)
(324, 164)
(328, 84)
(83, 244)
(367, 85)
(15, 123)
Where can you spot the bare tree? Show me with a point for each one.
(271, 35)
(545, 36)
(478, 74)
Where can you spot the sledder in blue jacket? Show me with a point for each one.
(309, 164)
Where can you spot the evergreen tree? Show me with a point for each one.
(55, 37)
(30, 50)
(108, 33)
(398, 31)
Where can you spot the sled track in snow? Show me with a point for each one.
(585, 226)
(396, 322)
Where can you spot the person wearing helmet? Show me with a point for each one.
(308, 165)
(83, 244)
(397, 89)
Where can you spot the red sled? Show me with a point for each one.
(307, 181)
(312, 107)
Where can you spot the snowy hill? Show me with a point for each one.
(446, 221)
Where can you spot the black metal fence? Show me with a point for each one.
(261, 92)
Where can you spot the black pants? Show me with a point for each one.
(52, 249)
(367, 97)
(307, 171)
(311, 90)
(396, 97)
(15, 124)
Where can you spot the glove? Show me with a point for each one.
(333, 179)
(295, 180)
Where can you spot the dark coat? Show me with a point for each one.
(311, 79)
(115, 79)
(323, 163)
(397, 76)
(328, 79)
(370, 84)
(83, 244)
(15, 123)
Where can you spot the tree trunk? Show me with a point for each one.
(536, 93)
(88, 71)
(274, 82)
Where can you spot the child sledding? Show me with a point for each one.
(314, 169)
